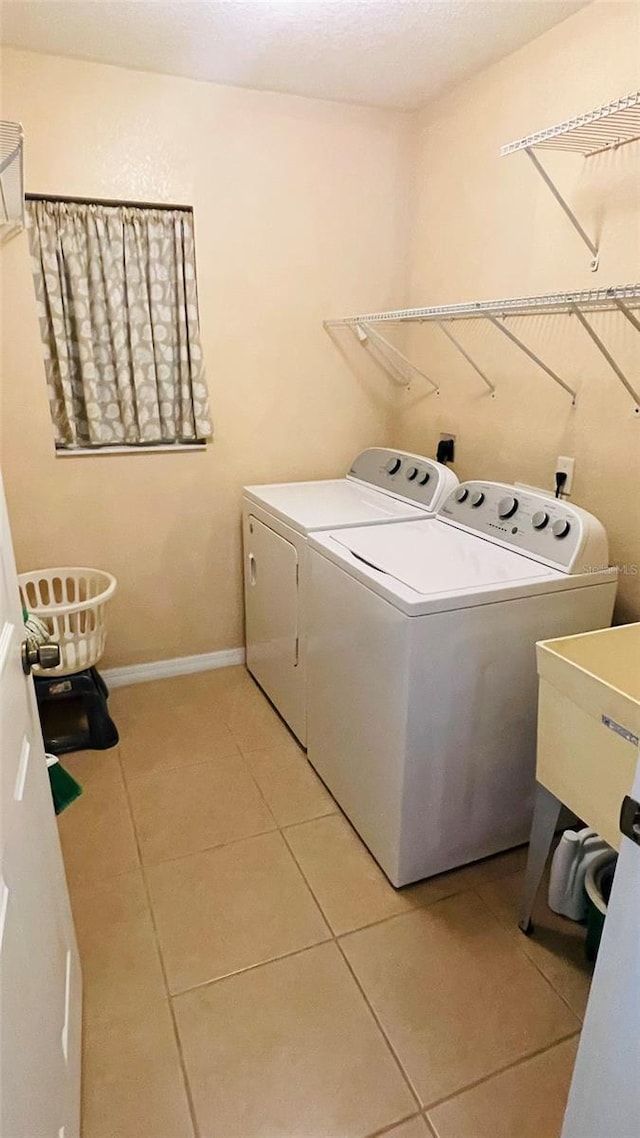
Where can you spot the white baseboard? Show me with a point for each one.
(179, 666)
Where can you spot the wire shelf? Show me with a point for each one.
(591, 300)
(607, 128)
(624, 299)
(11, 178)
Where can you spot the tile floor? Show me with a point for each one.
(249, 972)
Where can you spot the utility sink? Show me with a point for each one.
(589, 722)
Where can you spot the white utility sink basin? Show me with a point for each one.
(589, 722)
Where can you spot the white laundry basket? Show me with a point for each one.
(71, 602)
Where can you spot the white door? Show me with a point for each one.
(40, 985)
(604, 1100)
(271, 580)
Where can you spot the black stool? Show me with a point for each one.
(73, 713)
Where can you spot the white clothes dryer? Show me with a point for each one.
(381, 486)
(422, 667)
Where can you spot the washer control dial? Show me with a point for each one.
(412, 473)
(561, 527)
(477, 498)
(424, 478)
(393, 465)
(540, 519)
(507, 506)
(461, 494)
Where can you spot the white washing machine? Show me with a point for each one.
(381, 486)
(422, 667)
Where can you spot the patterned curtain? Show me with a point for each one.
(117, 301)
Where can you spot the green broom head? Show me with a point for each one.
(64, 788)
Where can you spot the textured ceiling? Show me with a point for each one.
(387, 53)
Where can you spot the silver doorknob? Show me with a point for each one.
(44, 655)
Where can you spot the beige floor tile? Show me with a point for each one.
(96, 832)
(230, 908)
(226, 696)
(118, 952)
(350, 887)
(527, 1101)
(457, 997)
(132, 1080)
(289, 1049)
(556, 946)
(471, 876)
(289, 783)
(184, 736)
(220, 683)
(132, 697)
(414, 1128)
(240, 694)
(253, 722)
(91, 768)
(179, 812)
(196, 689)
(159, 697)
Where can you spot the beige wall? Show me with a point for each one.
(305, 210)
(487, 227)
(300, 211)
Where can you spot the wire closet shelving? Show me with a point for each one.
(11, 179)
(624, 299)
(606, 128)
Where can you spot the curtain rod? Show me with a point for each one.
(104, 201)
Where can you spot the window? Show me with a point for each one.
(117, 301)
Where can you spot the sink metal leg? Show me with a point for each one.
(545, 821)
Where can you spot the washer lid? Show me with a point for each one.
(436, 567)
(308, 506)
(438, 558)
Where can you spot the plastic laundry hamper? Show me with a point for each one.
(72, 603)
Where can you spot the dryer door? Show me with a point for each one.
(271, 574)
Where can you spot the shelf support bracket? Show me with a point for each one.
(605, 351)
(593, 249)
(392, 356)
(631, 317)
(532, 356)
(467, 357)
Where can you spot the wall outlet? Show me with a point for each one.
(565, 465)
(446, 447)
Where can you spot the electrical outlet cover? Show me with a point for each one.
(565, 465)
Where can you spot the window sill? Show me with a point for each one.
(168, 448)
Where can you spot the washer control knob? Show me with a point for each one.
(477, 498)
(461, 494)
(507, 506)
(412, 473)
(424, 478)
(561, 527)
(393, 465)
(540, 519)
